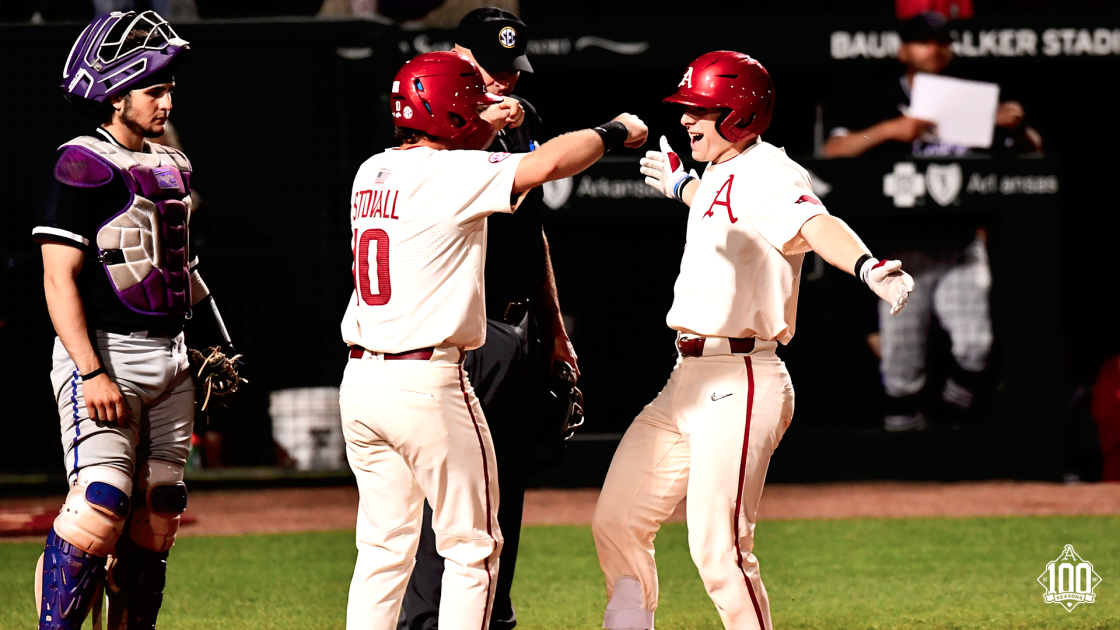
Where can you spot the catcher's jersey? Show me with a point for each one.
(742, 260)
(418, 219)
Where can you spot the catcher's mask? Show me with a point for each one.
(118, 51)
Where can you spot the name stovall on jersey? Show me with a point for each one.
(418, 219)
(742, 259)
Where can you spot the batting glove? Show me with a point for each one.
(665, 171)
(887, 279)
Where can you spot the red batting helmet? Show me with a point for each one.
(732, 81)
(439, 93)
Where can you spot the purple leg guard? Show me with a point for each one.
(70, 579)
(140, 575)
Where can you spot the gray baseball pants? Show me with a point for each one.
(153, 373)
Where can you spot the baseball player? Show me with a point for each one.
(522, 309)
(413, 425)
(710, 432)
(120, 282)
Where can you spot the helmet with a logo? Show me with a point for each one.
(118, 51)
(734, 82)
(440, 93)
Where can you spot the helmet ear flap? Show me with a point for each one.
(719, 123)
(739, 125)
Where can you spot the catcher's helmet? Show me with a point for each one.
(439, 93)
(732, 81)
(116, 52)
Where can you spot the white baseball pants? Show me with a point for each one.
(709, 435)
(414, 430)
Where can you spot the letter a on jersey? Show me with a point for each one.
(687, 78)
(725, 202)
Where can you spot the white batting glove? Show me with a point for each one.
(887, 279)
(665, 171)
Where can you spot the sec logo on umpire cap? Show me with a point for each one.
(507, 37)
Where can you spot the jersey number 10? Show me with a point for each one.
(374, 293)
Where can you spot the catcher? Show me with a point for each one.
(120, 283)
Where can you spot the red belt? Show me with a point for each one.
(423, 354)
(694, 346)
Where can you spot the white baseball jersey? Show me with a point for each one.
(742, 261)
(418, 219)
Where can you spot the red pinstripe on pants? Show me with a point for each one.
(739, 494)
(489, 515)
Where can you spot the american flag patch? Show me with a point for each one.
(382, 175)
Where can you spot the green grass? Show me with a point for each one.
(862, 574)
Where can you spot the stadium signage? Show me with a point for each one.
(1003, 42)
(866, 45)
(606, 188)
(945, 183)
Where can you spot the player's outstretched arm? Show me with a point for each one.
(842, 248)
(573, 152)
(61, 265)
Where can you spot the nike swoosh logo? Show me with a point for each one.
(715, 398)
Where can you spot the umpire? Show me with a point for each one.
(522, 309)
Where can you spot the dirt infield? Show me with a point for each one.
(308, 509)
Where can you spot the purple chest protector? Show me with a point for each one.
(144, 245)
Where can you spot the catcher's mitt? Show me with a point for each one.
(214, 374)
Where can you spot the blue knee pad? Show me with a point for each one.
(70, 579)
(109, 497)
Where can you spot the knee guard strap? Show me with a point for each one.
(155, 522)
(95, 510)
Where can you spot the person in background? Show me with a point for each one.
(872, 119)
(949, 261)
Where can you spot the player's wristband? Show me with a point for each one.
(613, 134)
(862, 267)
(98, 372)
(678, 190)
